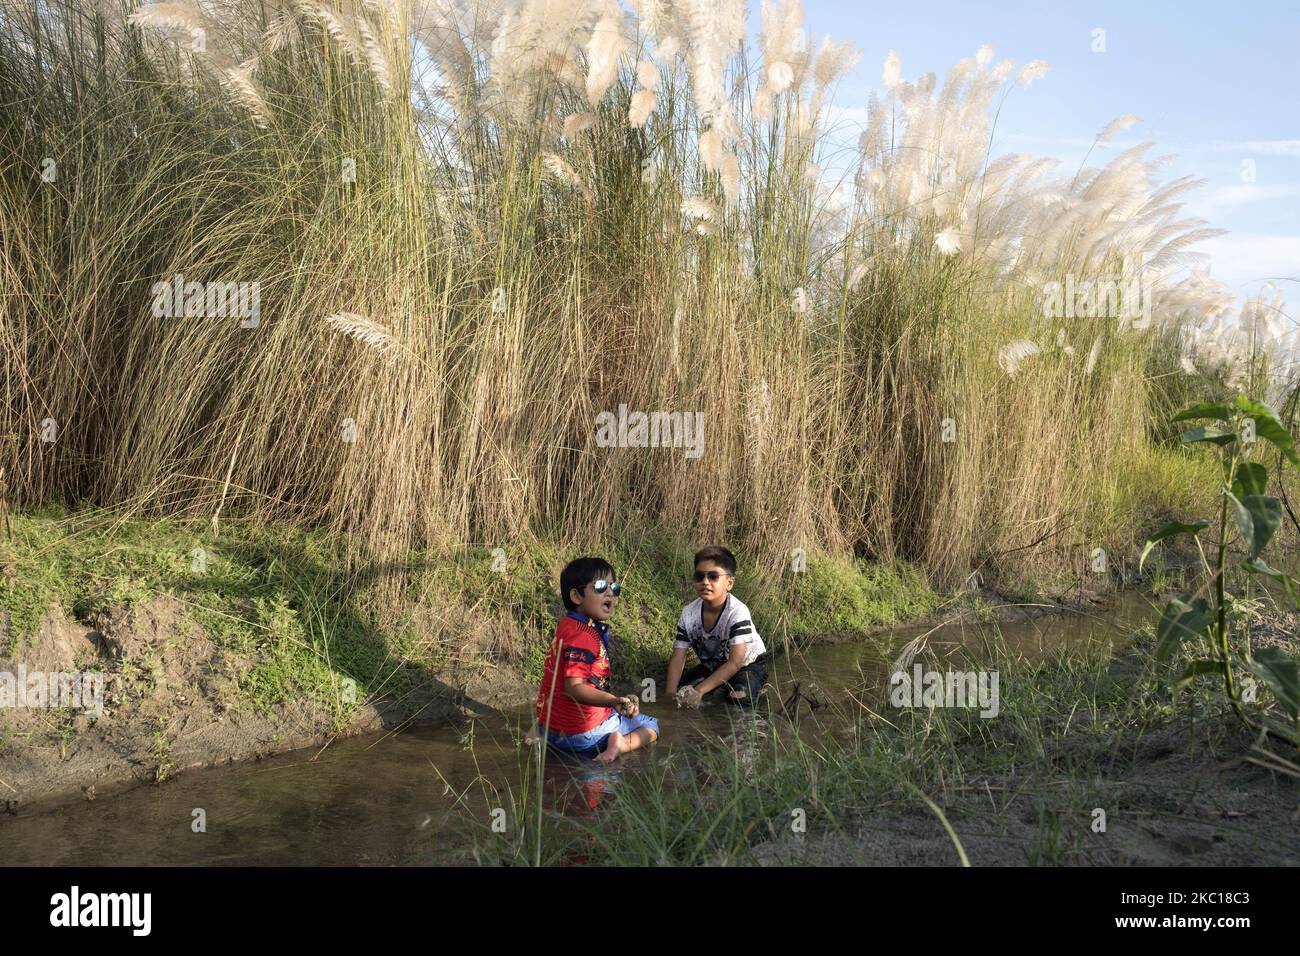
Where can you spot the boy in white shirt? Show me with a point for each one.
(719, 629)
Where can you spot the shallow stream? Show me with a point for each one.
(390, 799)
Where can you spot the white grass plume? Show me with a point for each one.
(280, 32)
(1169, 253)
(178, 16)
(711, 150)
(714, 30)
(859, 271)
(948, 242)
(703, 215)
(1013, 354)
(1117, 125)
(834, 61)
(642, 105)
(1093, 354)
(697, 207)
(357, 40)
(374, 55)
(1034, 70)
(366, 331)
(780, 77)
(603, 50)
(239, 81)
(892, 74)
(562, 171)
(781, 40)
(577, 123)
(647, 74)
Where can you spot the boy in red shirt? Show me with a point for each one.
(574, 704)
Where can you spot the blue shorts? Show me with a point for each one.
(594, 740)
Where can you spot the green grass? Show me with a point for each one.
(296, 607)
(278, 597)
(1166, 480)
(836, 596)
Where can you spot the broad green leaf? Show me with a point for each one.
(1280, 672)
(1169, 530)
(1210, 433)
(1251, 479)
(1258, 566)
(1219, 412)
(1181, 621)
(1194, 670)
(1270, 428)
(1258, 517)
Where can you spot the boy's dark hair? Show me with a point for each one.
(580, 572)
(719, 556)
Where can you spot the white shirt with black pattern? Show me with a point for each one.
(734, 626)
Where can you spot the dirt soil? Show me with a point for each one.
(1179, 806)
(170, 703)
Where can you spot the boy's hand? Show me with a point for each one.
(688, 697)
(630, 707)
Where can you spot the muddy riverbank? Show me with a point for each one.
(300, 784)
(172, 701)
(420, 796)
(220, 649)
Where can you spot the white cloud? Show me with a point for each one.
(1246, 260)
(1210, 202)
(1163, 138)
(1100, 150)
(1264, 147)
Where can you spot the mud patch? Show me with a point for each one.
(171, 702)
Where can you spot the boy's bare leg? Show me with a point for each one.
(613, 747)
(641, 737)
(619, 744)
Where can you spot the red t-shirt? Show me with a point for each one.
(581, 653)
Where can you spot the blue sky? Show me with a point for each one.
(1214, 83)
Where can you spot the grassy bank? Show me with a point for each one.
(302, 602)
(274, 637)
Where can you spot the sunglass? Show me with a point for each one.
(711, 575)
(601, 585)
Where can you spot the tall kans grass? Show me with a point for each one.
(475, 227)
